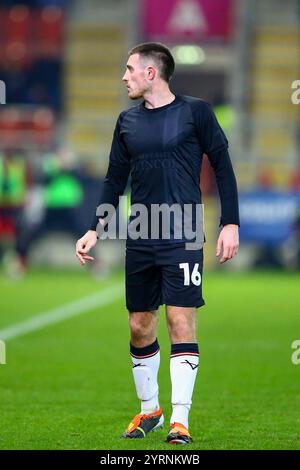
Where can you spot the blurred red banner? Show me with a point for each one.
(187, 20)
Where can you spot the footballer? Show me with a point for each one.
(160, 143)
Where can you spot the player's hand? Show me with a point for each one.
(228, 241)
(83, 246)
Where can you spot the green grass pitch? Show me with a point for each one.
(69, 385)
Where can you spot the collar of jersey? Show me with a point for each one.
(160, 108)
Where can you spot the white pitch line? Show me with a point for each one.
(63, 312)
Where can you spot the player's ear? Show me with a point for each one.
(151, 72)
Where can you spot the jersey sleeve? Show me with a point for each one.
(117, 174)
(210, 133)
(227, 186)
(215, 145)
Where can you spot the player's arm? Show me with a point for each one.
(113, 187)
(228, 239)
(215, 145)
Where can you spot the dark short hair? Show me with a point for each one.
(159, 53)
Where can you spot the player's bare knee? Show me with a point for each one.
(181, 329)
(142, 328)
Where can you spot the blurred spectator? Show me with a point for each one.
(51, 205)
(14, 183)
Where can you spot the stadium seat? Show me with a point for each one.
(17, 24)
(50, 31)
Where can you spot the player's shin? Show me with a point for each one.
(145, 365)
(183, 369)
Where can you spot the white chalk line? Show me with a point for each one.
(59, 314)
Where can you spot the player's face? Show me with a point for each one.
(135, 77)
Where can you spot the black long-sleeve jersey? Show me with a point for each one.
(162, 149)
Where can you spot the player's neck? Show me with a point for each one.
(158, 99)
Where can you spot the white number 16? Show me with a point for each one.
(195, 277)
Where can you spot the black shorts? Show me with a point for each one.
(163, 274)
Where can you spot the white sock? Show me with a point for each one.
(183, 369)
(145, 365)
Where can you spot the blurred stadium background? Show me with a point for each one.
(62, 63)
